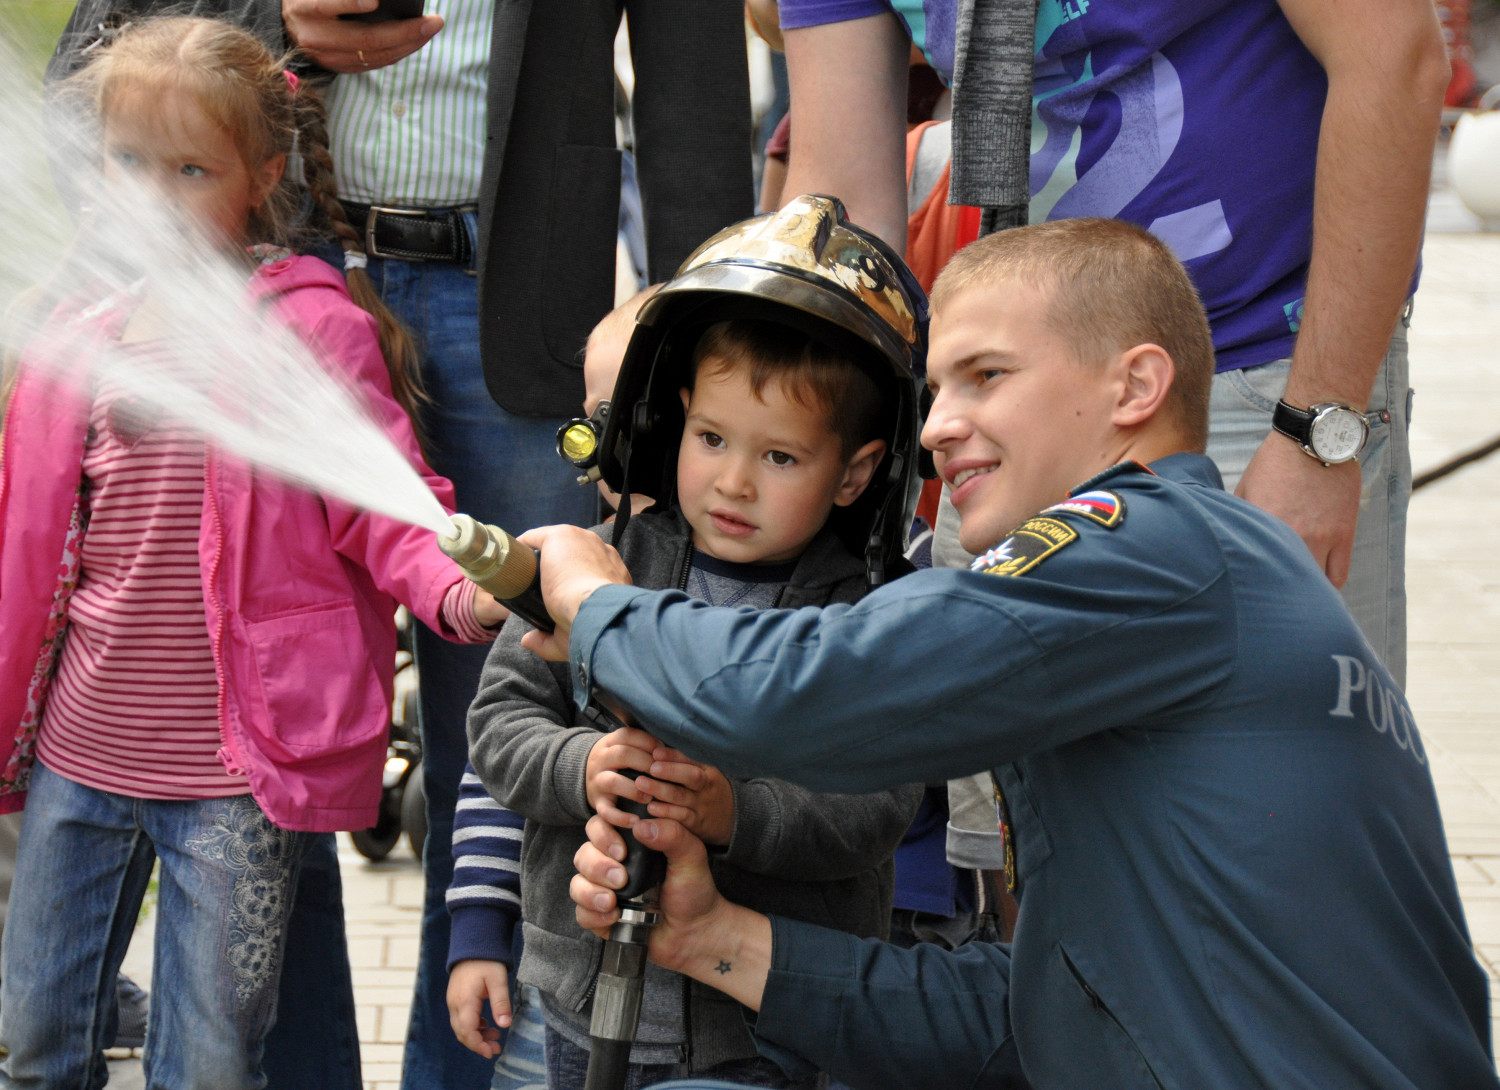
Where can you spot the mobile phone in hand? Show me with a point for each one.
(388, 10)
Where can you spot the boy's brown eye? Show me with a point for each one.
(781, 458)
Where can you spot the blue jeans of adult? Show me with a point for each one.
(314, 1044)
(226, 880)
(1240, 419)
(505, 470)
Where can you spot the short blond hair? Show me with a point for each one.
(1110, 286)
(604, 350)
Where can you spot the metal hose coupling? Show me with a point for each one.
(498, 563)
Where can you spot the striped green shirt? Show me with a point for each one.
(412, 133)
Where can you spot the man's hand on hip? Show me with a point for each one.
(1320, 502)
(349, 45)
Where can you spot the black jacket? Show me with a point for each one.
(550, 193)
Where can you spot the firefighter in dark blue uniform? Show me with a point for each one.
(1226, 844)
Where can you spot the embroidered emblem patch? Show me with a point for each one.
(1105, 508)
(1035, 540)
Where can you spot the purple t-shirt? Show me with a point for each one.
(1198, 120)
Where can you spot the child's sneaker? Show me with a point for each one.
(135, 1005)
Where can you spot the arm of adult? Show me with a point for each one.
(862, 1010)
(933, 676)
(1386, 75)
(351, 45)
(848, 107)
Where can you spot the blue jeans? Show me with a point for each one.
(314, 1044)
(1240, 419)
(504, 470)
(567, 1066)
(226, 882)
(523, 1064)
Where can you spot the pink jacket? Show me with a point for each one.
(300, 589)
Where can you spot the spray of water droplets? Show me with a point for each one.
(237, 376)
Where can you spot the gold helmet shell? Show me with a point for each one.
(806, 267)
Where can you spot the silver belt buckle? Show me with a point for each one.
(382, 210)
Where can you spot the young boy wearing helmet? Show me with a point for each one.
(768, 402)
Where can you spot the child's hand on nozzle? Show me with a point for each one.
(626, 748)
(696, 795)
(487, 609)
(469, 984)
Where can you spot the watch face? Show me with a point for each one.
(1337, 434)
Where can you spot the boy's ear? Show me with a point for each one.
(858, 472)
(1145, 375)
(687, 397)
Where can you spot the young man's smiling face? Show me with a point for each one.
(757, 475)
(1016, 420)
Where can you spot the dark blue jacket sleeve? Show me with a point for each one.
(484, 898)
(871, 1014)
(940, 674)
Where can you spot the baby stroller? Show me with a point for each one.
(403, 803)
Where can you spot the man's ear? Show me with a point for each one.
(1145, 374)
(858, 472)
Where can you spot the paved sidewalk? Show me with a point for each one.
(383, 907)
(1453, 565)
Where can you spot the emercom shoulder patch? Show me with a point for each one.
(1105, 508)
(1036, 540)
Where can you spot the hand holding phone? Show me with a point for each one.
(387, 10)
(350, 36)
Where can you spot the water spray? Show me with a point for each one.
(231, 372)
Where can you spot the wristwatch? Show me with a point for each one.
(1330, 432)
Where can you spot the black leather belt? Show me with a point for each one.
(413, 234)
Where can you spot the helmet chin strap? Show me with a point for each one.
(622, 510)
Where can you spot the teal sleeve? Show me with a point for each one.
(938, 675)
(872, 1014)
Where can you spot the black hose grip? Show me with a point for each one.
(644, 867)
(608, 1061)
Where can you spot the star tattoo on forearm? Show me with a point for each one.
(722, 968)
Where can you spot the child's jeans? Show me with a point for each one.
(567, 1064)
(225, 886)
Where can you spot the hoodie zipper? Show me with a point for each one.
(687, 567)
(226, 754)
(5, 443)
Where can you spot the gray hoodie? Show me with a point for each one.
(824, 859)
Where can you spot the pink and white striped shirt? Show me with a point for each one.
(134, 707)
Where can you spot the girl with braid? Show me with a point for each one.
(197, 658)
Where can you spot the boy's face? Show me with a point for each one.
(757, 476)
(1016, 420)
